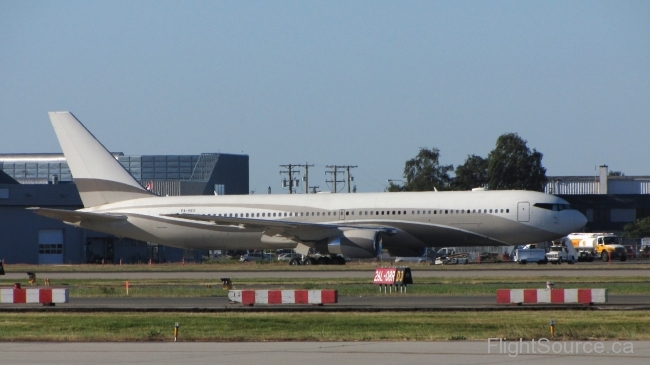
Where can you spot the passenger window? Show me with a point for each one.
(435, 212)
(446, 211)
(399, 212)
(507, 210)
(418, 212)
(347, 213)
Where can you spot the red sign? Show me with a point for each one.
(385, 276)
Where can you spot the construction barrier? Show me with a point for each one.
(37, 295)
(250, 297)
(551, 296)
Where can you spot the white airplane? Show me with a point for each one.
(351, 225)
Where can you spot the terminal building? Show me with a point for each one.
(45, 180)
(608, 202)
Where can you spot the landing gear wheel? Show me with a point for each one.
(294, 262)
(324, 260)
(624, 258)
(308, 261)
(338, 260)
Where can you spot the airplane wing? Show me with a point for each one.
(301, 230)
(75, 216)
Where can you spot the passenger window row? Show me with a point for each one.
(362, 213)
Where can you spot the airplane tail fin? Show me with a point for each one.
(99, 177)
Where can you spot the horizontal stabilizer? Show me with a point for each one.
(75, 216)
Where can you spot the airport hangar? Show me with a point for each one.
(44, 180)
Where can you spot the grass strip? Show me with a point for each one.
(570, 325)
(354, 265)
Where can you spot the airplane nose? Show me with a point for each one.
(579, 220)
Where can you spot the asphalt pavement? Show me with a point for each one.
(323, 353)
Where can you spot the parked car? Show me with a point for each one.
(255, 256)
(417, 260)
(644, 252)
(289, 256)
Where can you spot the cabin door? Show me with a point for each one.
(523, 212)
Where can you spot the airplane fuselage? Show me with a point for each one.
(423, 219)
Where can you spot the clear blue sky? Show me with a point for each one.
(334, 82)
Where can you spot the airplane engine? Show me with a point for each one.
(356, 243)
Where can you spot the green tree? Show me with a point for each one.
(512, 165)
(472, 174)
(393, 188)
(424, 172)
(638, 229)
(615, 173)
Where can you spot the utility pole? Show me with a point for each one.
(335, 173)
(350, 178)
(305, 177)
(291, 169)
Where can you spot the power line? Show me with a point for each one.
(291, 170)
(335, 174)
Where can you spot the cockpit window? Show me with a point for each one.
(553, 207)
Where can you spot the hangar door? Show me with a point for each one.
(50, 246)
(523, 212)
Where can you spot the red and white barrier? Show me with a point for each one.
(39, 295)
(250, 297)
(551, 296)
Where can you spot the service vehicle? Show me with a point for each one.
(530, 253)
(448, 255)
(562, 251)
(590, 246)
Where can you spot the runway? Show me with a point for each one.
(339, 353)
